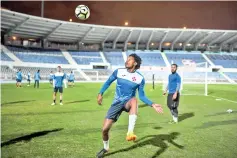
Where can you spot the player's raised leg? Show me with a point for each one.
(133, 109)
(105, 135)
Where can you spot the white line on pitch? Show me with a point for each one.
(222, 98)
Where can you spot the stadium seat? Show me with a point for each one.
(150, 58)
(85, 58)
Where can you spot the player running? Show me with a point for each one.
(71, 79)
(51, 75)
(173, 97)
(59, 76)
(128, 81)
(18, 78)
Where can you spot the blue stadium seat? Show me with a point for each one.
(227, 61)
(85, 58)
(5, 57)
(149, 58)
(38, 55)
(177, 57)
(115, 58)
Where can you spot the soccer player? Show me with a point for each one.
(71, 79)
(18, 78)
(51, 75)
(59, 77)
(173, 87)
(28, 78)
(128, 81)
(37, 78)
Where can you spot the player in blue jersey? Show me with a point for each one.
(173, 88)
(51, 76)
(129, 80)
(18, 78)
(37, 78)
(59, 76)
(28, 78)
(71, 79)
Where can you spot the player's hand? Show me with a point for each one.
(99, 99)
(157, 107)
(174, 96)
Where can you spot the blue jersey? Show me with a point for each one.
(37, 76)
(174, 83)
(58, 79)
(19, 75)
(51, 76)
(28, 76)
(71, 77)
(127, 84)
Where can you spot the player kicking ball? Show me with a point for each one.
(58, 78)
(128, 81)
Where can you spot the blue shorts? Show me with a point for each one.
(50, 79)
(28, 79)
(116, 109)
(70, 80)
(17, 80)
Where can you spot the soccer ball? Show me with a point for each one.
(82, 12)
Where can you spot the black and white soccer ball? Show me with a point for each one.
(82, 12)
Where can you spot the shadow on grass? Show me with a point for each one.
(28, 137)
(77, 101)
(17, 102)
(217, 123)
(185, 116)
(116, 128)
(158, 141)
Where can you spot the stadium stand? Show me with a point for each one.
(5, 57)
(38, 55)
(114, 58)
(227, 61)
(177, 57)
(232, 75)
(85, 58)
(149, 58)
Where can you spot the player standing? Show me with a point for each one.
(37, 78)
(128, 81)
(28, 78)
(173, 87)
(18, 78)
(71, 79)
(59, 77)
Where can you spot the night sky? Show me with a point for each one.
(204, 15)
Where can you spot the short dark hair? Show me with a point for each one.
(137, 59)
(175, 65)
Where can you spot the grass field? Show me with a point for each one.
(31, 127)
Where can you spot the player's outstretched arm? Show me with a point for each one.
(106, 86)
(143, 98)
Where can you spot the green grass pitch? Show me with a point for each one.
(31, 127)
